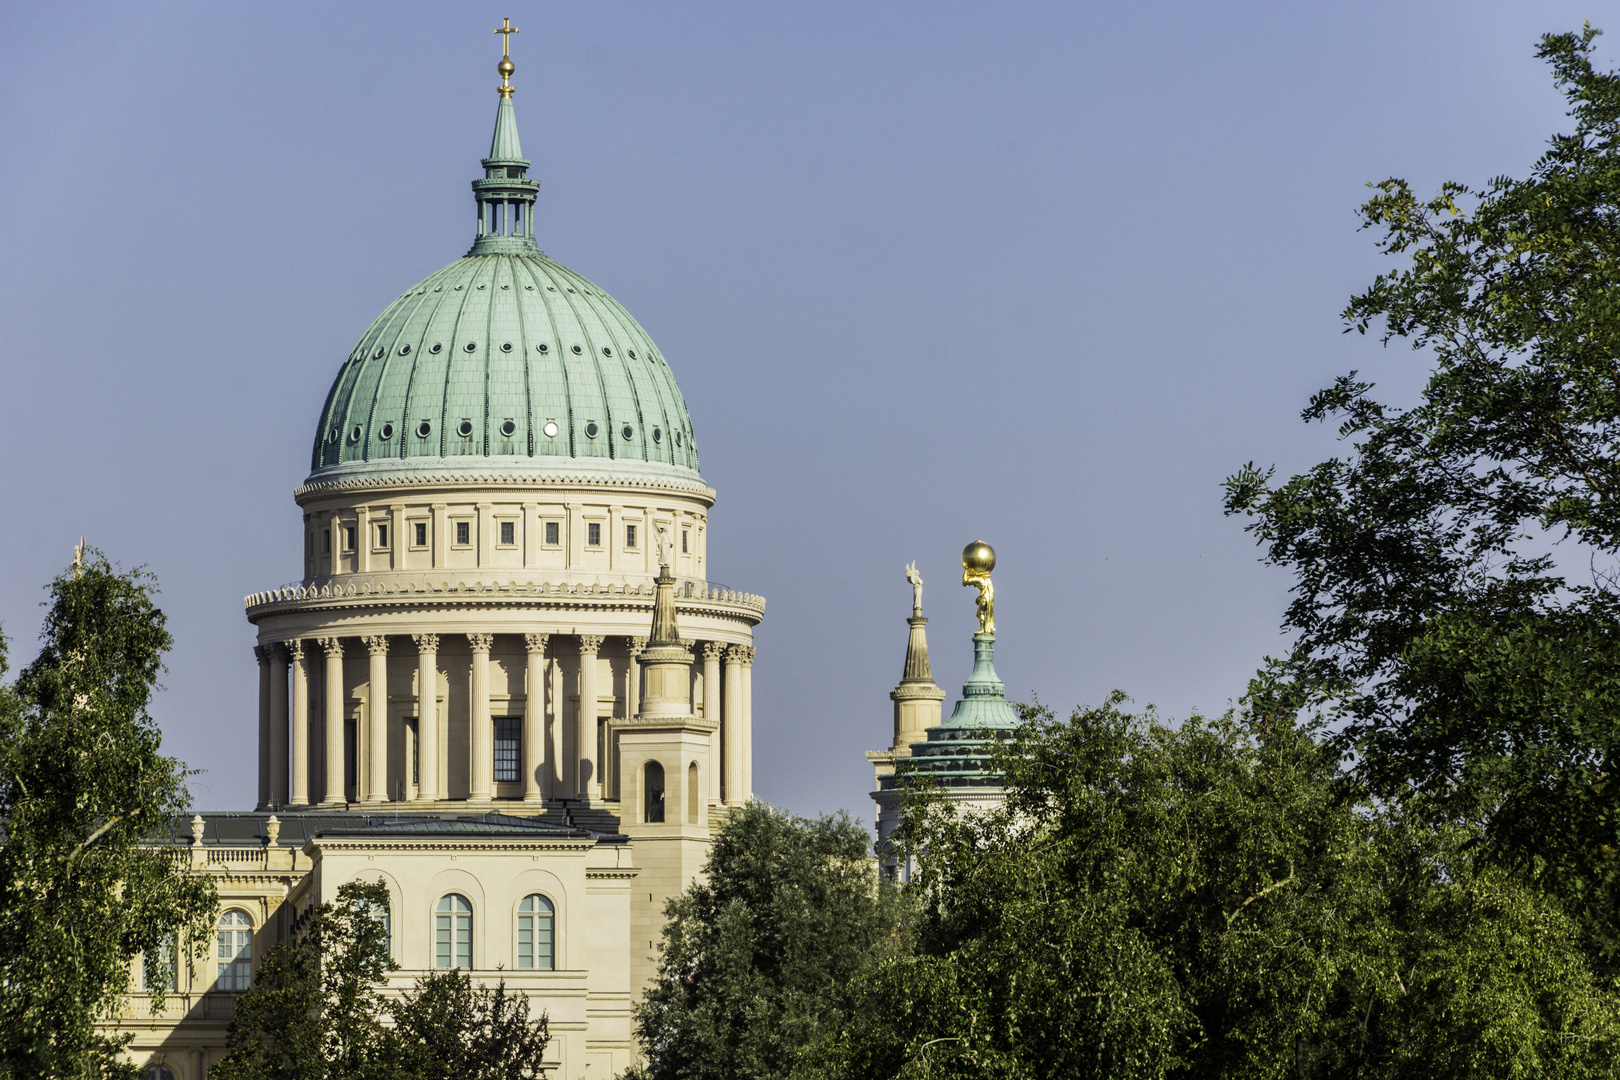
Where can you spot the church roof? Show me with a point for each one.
(959, 751)
(504, 361)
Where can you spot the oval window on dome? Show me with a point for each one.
(632, 354)
(436, 347)
(506, 346)
(628, 431)
(606, 351)
(354, 433)
(543, 347)
(677, 438)
(480, 286)
(578, 350)
(551, 429)
(387, 432)
(404, 350)
(464, 429)
(460, 287)
(570, 290)
(424, 429)
(658, 435)
(507, 429)
(472, 346)
(590, 430)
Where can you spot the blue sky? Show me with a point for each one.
(1040, 274)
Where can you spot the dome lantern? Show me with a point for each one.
(505, 195)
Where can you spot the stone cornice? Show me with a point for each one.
(458, 844)
(350, 479)
(685, 723)
(624, 874)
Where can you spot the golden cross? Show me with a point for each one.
(506, 33)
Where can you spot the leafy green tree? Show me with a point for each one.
(760, 952)
(1432, 622)
(449, 1029)
(1214, 901)
(313, 1012)
(83, 787)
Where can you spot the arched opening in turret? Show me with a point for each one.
(692, 794)
(652, 787)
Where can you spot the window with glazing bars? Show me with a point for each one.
(593, 535)
(629, 536)
(507, 742)
(160, 970)
(536, 934)
(452, 932)
(508, 532)
(235, 951)
(463, 532)
(553, 532)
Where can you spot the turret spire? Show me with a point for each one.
(506, 194)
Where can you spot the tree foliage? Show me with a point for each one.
(1431, 618)
(317, 1011)
(760, 952)
(83, 786)
(1214, 901)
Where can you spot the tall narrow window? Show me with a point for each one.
(383, 916)
(692, 794)
(348, 537)
(326, 542)
(508, 532)
(160, 970)
(235, 951)
(536, 935)
(653, 787)
(452, 932)
(463, 532)
(629, 536)
(553, 533)
(593, 535)
(683, 541)
(421, 534)
(507, 744)
(382, 536)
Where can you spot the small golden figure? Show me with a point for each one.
(978, 559)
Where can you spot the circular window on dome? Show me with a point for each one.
(506, 346)
(506, 286)
(578, 350)
(528, 288)
(387, 432)
(632, 354)
(464, 429)
(570, 290)
(658, 435)
(354, 433)
(606, 351)
(480, 286)
(677, 438)
(551, 429)
(436, 347)
(472, 346)
(542, 347)
(377, 355)
(424, 429)
(590, 430)
(460, 287)
(507, 429)
(551, 288)
(438, 288)
(628, 431)
(404, 350)
(333, 435)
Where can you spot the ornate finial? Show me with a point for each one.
(978, 559)
(916, 588)
(505, 66)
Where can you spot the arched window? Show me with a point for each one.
(160, 970)
(692, 794)
(235, 951)
(537, 934)
(380, 913)
(653, 787)
(157, 1072)
(452, 932)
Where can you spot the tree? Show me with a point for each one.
(448, 1029)
(84, 787)
(1213, 900)
(760, 952)
(1463, 661)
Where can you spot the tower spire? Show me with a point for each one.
(505, 195)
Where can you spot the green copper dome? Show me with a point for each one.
(504, 362)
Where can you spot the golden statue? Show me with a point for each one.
(978, 559)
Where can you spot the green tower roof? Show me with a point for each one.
(958, 752)
(505, 362)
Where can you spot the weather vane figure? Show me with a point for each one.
(978, 559)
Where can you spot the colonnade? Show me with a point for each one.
(287, 773)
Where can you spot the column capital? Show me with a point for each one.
(738, 654)
(376, 645)
(263, 653)
(535, 643)
(332, 645)
(295, 648)
(480, 643)
(747, 655)
(635, 643)
(712, 650)
(426, 642)
(590, 643)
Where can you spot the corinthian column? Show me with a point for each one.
(732, 733)
(632, 686)
(589, 785)
(334, 721)
(278, 725)
(480, 736)
(300, 723)
(711, 712)
(534, 716)
(427, 717)
(262, 652)
(377, 720)
(748, 723)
